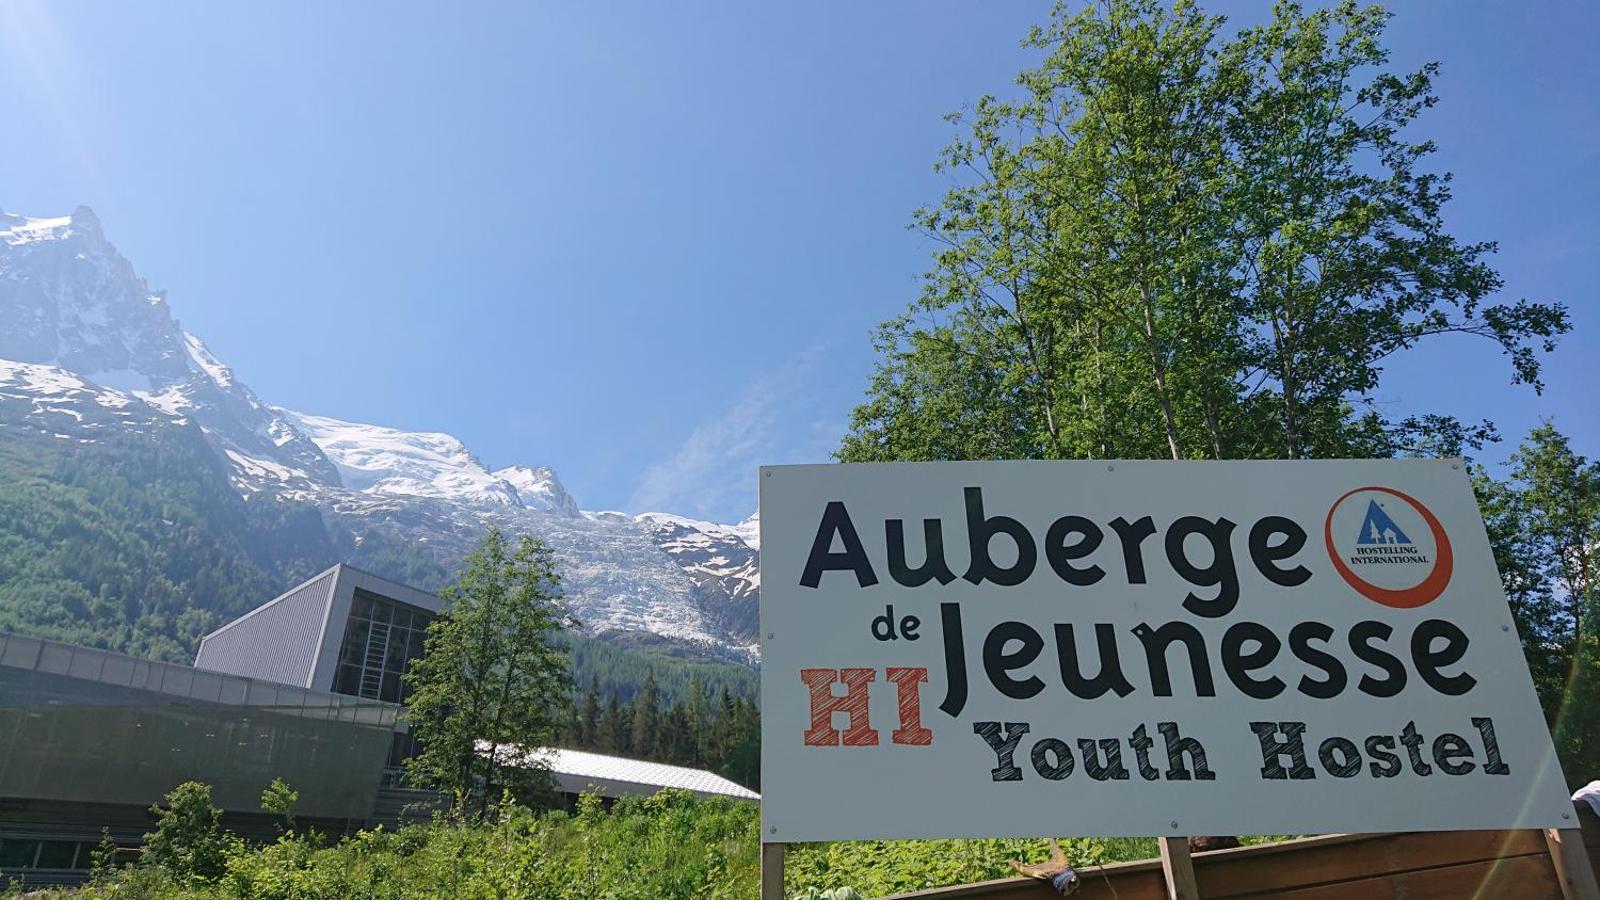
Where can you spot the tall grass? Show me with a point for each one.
(671, 845)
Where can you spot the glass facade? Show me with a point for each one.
(84, 725)
(32, 853)
(403, 747)
(380, 637)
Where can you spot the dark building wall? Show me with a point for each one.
(46, 842)
(109, 737)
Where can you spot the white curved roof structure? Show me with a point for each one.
(578, 771)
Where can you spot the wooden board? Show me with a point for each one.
(1571, 860)
(1485, 865)
(1250, 871)
(1488, 865)
(1519, 878)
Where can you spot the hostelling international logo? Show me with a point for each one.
(1389, 547)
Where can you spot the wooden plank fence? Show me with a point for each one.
(1415, 866)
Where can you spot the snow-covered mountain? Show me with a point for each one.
(539, 488)
(85, 345)
(381, 460)
(69, 299)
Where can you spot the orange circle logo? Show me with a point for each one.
(1389, 547)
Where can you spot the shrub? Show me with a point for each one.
(664, 847)
(189, 842)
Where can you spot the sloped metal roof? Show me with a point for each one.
(278, 640)
(577, 771)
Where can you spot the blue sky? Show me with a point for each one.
(646, 244)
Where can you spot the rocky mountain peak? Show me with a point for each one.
(91, 347)
(539, 489)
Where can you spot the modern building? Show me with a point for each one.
(344, 631)
(305, 687)
(90, 739)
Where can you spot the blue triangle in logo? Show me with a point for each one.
(1378, 528)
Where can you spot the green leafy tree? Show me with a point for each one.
(677, 740)
(103, 858)
(1175, 244)
(1543, 522)
(493, 680)
(1341, 242)
(1561, 489)
(280, 800)
(698, 722)
(189, 842)
(1545, 630)
(743, 762)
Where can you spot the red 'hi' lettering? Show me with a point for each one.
(853, 704)
(910, 730)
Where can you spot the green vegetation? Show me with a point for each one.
(281, 800)
(617, 665)
(137, 542)
(1543, 521)
(665, 847)
(1178, 244)
(720, 732)
(189, 844)
(492, 679)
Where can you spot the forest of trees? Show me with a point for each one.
(137, 542)
(719, 731)
(619, 670)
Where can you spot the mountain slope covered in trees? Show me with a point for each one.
(136, 541)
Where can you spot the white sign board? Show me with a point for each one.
(1139, 648)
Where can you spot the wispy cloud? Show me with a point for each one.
(712, 473)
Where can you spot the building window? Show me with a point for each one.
(18, 853)
(380, 638)
(57, 855)
(28, 853)
(402, 747)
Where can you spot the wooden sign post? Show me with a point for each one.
(771, 871)
(1572, 864)
(1177, 867)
